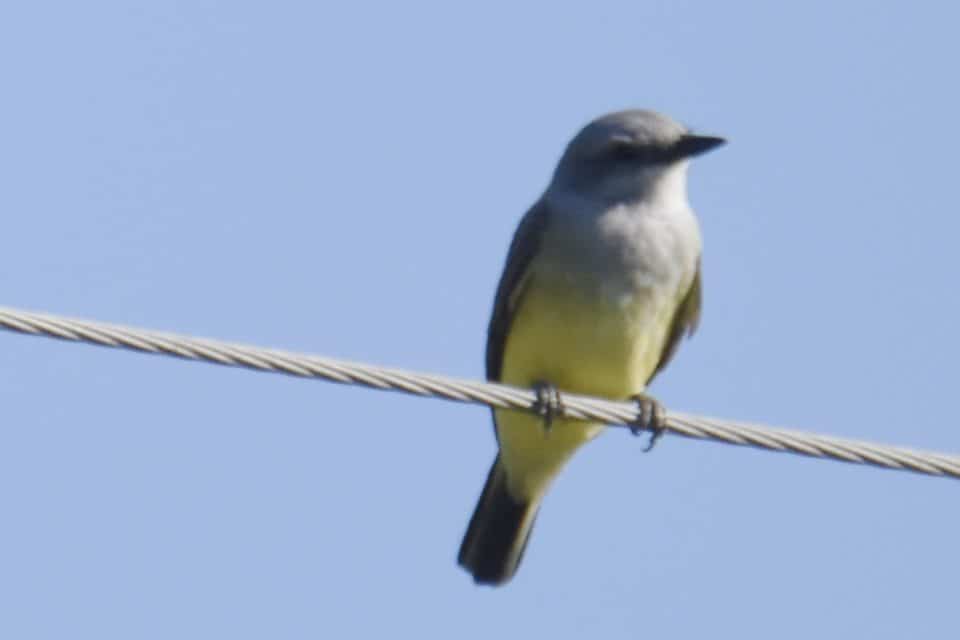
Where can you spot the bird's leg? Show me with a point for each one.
(548, 403)
(652, 418)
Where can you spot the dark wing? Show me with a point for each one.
(513, 283)
(685, 322)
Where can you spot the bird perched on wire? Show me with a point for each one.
(601, 283)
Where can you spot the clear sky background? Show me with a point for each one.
(345, 181)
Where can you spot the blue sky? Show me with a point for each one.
(344, 181)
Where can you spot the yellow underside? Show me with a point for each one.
(607, 348)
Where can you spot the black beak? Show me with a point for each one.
(691, 145)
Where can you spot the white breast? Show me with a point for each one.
(616, 250)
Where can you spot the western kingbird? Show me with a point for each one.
(601, 283)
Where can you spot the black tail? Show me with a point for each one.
(498, 532)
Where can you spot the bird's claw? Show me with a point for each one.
(652, 418)
(548, 403)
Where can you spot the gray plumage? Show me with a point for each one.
(614, 240)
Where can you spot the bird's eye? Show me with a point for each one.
(626, 151)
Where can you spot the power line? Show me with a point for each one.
(491, 394)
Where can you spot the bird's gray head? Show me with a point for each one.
(627, 152)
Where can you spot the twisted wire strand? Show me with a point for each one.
(459, 390)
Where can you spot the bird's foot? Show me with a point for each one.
(652, 418)
(548, 403)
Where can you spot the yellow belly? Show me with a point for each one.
(593, 345)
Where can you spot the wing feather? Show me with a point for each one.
(514, 282)
(685, 321)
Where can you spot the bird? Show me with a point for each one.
(602, 282)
